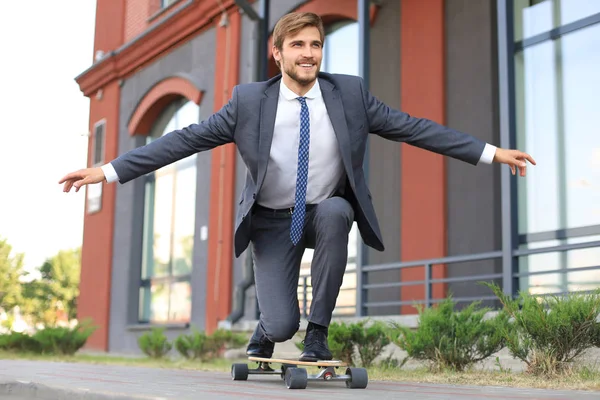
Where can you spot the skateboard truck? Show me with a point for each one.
(296, 377)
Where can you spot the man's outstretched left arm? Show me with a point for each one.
(429, 135)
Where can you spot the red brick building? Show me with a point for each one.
(158, 250)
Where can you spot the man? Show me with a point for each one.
(302, 137)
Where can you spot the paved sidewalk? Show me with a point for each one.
(23, 380)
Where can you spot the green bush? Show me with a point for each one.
(19, 342)
(155, 343)
(63, 340)
(222, 339)
(193, 346)
(340, 341)
(549, 332)
(199, 345)
(450, 339)
(370, 340)
(345, 339)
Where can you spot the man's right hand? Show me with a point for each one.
(82, 177)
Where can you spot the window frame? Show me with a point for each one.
(146, 283)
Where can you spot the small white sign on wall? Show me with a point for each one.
(203, 232)
(94, 198)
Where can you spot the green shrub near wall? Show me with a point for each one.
(50, 340)
(357, 343)
(449, 339)
(549, 333)
(196, 345)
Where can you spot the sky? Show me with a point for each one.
(44, 120)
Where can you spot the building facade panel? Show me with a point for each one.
(384, 167)
(197, 59)
(95, 283)
(473, 205)
(242, 266)
(423, 193)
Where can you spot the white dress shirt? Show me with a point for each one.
(325, 168)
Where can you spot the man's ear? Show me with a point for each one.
(276, 53)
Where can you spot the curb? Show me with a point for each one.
(23, 390)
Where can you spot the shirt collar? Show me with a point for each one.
(287, 93)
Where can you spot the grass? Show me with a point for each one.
(585, 378)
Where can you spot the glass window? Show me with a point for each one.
(533, 17)
(167, 3)
(99, 142)
(574, 10)
(563, 279)
(340, 56)
(169, 222)
(556, 85)
(340, 51)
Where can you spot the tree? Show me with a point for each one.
(11, 268)
(57, 289)
(62, 274)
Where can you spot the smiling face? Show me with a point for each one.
(298, 49)
(300, 57)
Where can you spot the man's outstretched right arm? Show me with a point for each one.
(217, 130)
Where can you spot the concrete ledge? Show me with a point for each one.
(410, 321)
(149, 327)
(22, 390)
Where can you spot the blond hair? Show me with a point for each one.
(294, 22)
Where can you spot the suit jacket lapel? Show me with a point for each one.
(268, 111)
(335, 109)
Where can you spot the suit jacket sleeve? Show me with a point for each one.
(217, 130)
(420, 132)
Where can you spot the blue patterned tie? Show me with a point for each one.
(302, 177)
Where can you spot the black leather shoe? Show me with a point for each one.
(315, 345)
(259, 345)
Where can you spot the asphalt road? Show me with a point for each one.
(24, 380)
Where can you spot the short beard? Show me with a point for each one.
(292, 74)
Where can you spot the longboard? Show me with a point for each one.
(296, 377)
(321, 363)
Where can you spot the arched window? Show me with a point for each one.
(340, 51)
(169, 221)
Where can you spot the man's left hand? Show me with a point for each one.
(515, 159)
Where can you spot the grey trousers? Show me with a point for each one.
(277, 265)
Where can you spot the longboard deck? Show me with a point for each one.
(322, 363)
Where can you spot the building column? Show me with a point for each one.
(222, 188)
(423, 183)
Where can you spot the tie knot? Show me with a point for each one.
(302, 100)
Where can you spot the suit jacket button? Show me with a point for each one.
(253, 195)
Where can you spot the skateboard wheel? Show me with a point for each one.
(285, 367)
(239, 372)
(296, 378)
(358, 378)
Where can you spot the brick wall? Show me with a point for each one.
(136, 17)
(141, 14)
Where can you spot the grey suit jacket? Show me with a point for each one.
(248, 119)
